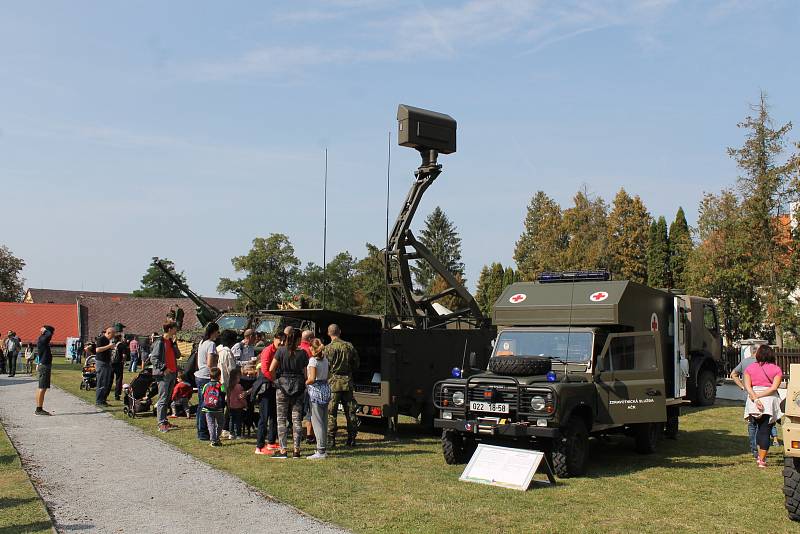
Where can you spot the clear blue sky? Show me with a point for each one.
(185, 129)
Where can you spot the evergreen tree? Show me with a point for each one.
(680, 248)
(763, 186)
(543, 241)
(628, 229)
(441, 237)
(11, 281)
(271, 270)
(658, 255)
(370, 282)
(584, 226)
(156, 284)
(452, 302)
(492, 282)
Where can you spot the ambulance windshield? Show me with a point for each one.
(572, 347)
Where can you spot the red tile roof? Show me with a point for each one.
(27, 319)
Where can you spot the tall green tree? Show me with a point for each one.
(370, 282)
(680, 248)
(492, 281)
(658, 274)
(628, 229)
(270, 270)
(156, 284)
(720, 266)
(11, 282)
(763, 184)
(441, 237)
(543, 241)
(585, 227)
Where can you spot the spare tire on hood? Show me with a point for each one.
(516, 366)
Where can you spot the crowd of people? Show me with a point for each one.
(299, 385)
(12, 355)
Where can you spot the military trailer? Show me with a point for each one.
(579, 354)
(791, 444)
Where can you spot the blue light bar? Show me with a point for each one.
(549, 277)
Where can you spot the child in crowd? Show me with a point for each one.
(181, 394)
(236, 404)
(213, 396)
(30, 354)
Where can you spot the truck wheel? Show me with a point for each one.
(514, 366)
(571, 451)
(647, 436)
(454, 449)
(791, 487)
(706, 392)
(671, 427)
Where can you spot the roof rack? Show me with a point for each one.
(549, 277)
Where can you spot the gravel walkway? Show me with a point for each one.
(87, 482)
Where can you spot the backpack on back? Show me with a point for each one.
(212, 396)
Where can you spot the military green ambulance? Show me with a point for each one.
(578, 355)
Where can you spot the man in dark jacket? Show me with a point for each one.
(120, 354)
(102, 363)
(45, 366)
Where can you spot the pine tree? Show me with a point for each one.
(543, 241)
(156, 284)
(370, 282)
(658, 255)
(441, 237)
(584, 224)
(680, 248)
(628, 229)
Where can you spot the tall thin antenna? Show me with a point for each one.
(325, 232)
(386, 250)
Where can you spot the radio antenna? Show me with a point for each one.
(569, 330)
(325, 232)
(386, 250)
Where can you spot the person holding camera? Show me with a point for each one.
(45, 366)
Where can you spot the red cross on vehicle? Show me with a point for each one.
(519, 297)
(599, 296)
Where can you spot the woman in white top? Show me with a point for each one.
(206, 359)
(319, 394)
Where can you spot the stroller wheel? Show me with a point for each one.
(82, 386)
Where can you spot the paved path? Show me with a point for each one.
(87, 482)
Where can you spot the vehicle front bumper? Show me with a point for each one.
(509, 430)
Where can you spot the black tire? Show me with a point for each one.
(646, 436)
(706, 391)
(673, 421)
(514, 366)
(456, 449)
(82, 386)
(570, 452)
(791, 487)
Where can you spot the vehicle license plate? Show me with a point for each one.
(496, 407)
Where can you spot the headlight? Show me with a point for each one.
(458, 398)
(537, 403)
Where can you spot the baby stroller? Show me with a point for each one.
(89, 374)
(139, 394)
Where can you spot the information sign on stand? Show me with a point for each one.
(505, 467)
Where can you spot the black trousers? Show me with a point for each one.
(104, 377)
(763, 432)
(118, 369)
(12, 364)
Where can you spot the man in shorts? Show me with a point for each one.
(45, 366)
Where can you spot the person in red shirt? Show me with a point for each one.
(305, 342)
(164, 358)
(267, 437)
(180, 399)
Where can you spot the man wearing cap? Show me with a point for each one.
(244, 351)
(45, 366)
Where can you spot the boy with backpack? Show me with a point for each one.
(213, 395)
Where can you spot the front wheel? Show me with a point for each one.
(791, 487)
(571, 451)
(706, 391)
(456, 448)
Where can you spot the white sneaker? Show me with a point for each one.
(225, 434)
(317, 456)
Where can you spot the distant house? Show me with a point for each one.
(27, 320)
(141, 316)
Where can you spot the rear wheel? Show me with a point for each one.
(671, 426)
(571, 451)
(706, 390)
(791, 487)
(647, 436)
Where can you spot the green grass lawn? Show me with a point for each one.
(705, 481)
(21, 508)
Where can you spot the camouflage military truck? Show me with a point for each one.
(580, 355)
(791, 444)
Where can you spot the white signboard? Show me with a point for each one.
(502, 466)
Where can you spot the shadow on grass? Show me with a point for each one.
(7, 459)
(10, 502)
(36, 526)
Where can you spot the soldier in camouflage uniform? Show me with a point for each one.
(343, 360)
